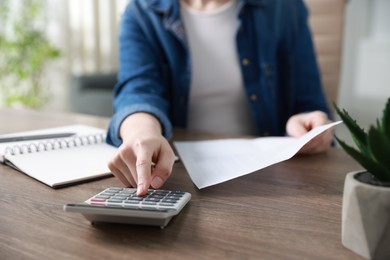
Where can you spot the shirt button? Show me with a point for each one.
(253, 97)
(245, 62)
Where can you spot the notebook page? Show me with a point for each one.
(64, 166)
(78, 129)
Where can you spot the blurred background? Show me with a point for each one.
(60, 55)
(80, 39)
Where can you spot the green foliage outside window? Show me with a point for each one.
(24, 52)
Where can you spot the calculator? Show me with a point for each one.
(122, 205)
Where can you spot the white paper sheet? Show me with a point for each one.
(216, 161)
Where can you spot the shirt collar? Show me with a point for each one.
(172, 6)
(161, 6)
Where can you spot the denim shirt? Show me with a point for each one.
(274, 45)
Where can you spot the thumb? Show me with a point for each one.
(296, 127)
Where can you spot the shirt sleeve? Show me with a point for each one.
(140, 86)
(309, 94)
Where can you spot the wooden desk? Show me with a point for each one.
(291, 210)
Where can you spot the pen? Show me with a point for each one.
(34, 137)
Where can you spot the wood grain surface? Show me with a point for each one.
(291, 210)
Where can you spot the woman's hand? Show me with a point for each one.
(300, 124)
(145, 157)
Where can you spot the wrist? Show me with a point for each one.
(140, 123)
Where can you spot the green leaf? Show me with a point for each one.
(359, 136)
(379, 146)
(368, 163)
(386, 119)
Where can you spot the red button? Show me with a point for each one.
(98, 200)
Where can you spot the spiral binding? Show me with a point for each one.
(55, 144)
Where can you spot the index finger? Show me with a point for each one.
(143, 167)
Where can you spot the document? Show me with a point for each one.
(216, 161)
(58, 156)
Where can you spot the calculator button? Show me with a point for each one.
(166, 204)
(135, 198)
(127, 192)
(181, 193)
(176, 195)
(172, 197)
(114, 201)
(149, 203)
(169, 200)
(161, 192)
(110, 193)
(97, 204)
(156, 196)
(114, 189)
(102, 197)
(149, 192)
(107, 194)
(131, 202)
(119, 197)
(153, 199)
(98, 200)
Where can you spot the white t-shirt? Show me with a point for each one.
(218, 103)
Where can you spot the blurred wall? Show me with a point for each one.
(86, 32)
(365, 74)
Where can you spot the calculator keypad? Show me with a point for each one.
(122, 205)
(127, 198)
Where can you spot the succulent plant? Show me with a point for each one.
(373, 147)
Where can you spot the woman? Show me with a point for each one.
(235, 66)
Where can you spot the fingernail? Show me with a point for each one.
(157, 182)
(140, 189)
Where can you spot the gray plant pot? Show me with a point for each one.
(366, 218)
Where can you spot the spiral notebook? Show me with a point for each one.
(59, 162)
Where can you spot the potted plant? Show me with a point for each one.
(366, 198)
(24, 53)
